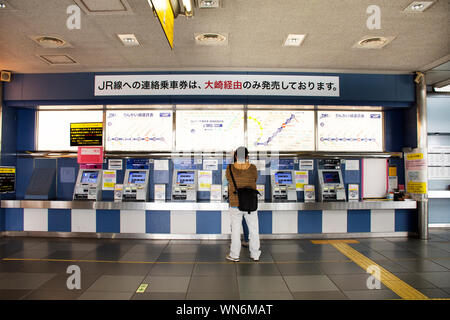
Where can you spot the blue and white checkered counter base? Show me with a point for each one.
(207, 222)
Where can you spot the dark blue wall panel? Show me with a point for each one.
(26, 123)
(9, 134)
(108, 221)
(2, 220)
(59, 220)
(24, 170)
(13, 219)
(310, 221)
(157, 221)
(406, 220)
(358, 220)
(265, 222)
(209, 222)
(65, 189)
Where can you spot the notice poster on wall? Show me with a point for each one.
(109, 179)
(204, 180)
(209, 130)
(280, 130)
(7, 179)
(139, 130)
(86, 134)
(416, 172)
(350, 131)
(301, 178)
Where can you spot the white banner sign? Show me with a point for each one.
(216, 84)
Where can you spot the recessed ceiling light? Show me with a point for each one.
(202, 4)
(128, 40)
(211, 39)
(373, 42)
(294, 40)
(418, 6)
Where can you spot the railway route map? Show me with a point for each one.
(280, 130)
(209, 130)
(350, 131)
(139, 130)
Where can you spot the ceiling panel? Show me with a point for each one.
(256, 29)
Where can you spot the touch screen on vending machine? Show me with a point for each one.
(89, 177)
(331, 177)
(185, 177)
(283, 177)
(137, 177)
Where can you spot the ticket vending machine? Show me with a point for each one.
(88, 185)
(135, 185)
(283, 186)
(184, 185)
(331, 185)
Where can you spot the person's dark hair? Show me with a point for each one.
(240, 153)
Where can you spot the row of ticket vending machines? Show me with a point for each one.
(184, 186)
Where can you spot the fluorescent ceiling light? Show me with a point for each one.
(294, 40)
(128, 40)
(208, 4)
(418, 6)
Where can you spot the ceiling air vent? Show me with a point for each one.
(104, 7)
(373, 42)
(211, 39)
(58, 59)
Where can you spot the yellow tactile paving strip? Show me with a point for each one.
(401, 288)
(172, 262)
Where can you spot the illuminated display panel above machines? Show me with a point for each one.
(139, 130)
(214, 130)
(350, 131)
(284, 130)
(55, 135)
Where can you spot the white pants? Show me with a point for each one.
(253, 232)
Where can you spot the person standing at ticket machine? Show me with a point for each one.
(245, 175)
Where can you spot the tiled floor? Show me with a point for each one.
(197, 270)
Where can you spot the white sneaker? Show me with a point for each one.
(255, 259)
(228, 257)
